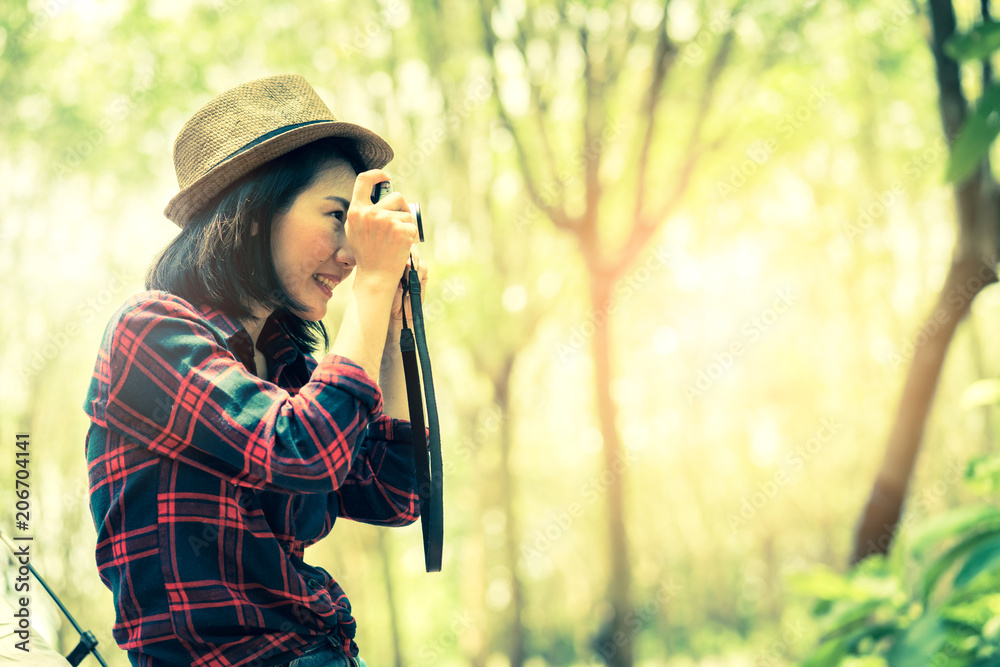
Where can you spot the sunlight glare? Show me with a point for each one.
(765, 438)
(688, 274)
(549, 284)
(591, 440)
(682, 20)
(746, 260)
(515, 298)
(665, 341)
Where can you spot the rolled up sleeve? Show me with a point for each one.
(381, 488)
(174, 387)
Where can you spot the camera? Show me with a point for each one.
(385, 187)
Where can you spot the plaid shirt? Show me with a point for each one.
(207, 483)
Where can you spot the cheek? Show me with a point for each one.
(312, 247)
(321, 246)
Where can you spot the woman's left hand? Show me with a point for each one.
(396, 314)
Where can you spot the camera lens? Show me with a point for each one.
(415, 212)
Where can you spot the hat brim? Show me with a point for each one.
(375, 153)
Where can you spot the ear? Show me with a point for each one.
(253, 229)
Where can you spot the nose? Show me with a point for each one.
(344, 256)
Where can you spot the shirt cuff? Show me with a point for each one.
(393, 430)
(344, 374)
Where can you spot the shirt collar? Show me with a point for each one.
(277, 346)
(228, 326)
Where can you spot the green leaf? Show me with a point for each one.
(981, 559)
(975, 137)
(981, 41)
(874, 633)
(829, 654)
(983, 474)
(919, 643)
(845, 620)
(826, 585)
(952, 524)
(973, 608)
(950, 557)
(983, 392)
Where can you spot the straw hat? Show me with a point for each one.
(250, 125)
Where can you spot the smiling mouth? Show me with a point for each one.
(326, 282)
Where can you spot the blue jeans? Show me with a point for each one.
(327, 655)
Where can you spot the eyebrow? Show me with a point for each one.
(340, 200)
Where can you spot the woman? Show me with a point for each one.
(218, 448)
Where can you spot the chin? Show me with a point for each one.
(314, 314)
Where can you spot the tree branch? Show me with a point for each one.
(645, 224)
(537, 111)
(593, 149)
(557, 213)
(664, 55)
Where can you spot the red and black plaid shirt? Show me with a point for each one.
(207, 483)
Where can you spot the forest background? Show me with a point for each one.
(681, 262)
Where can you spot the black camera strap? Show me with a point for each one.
(88, 642)
(426, 452)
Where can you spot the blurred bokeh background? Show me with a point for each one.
(680, 258)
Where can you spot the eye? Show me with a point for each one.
(338, 215)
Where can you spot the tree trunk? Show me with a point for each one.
(615, 642)
(973, 267)
(516, 644)
(930, 345)
(390, 598)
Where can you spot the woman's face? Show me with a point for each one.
(308, 244)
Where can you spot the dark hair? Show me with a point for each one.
(217, 261)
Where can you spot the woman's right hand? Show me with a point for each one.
(380, 235)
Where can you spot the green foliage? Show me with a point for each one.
(976, 44)
(830, 157)
(981, 128)
(978, 132)
(936, 604)
(874, 612)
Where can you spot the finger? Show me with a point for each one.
(419, 263)
(395, 202)
(364, 184)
